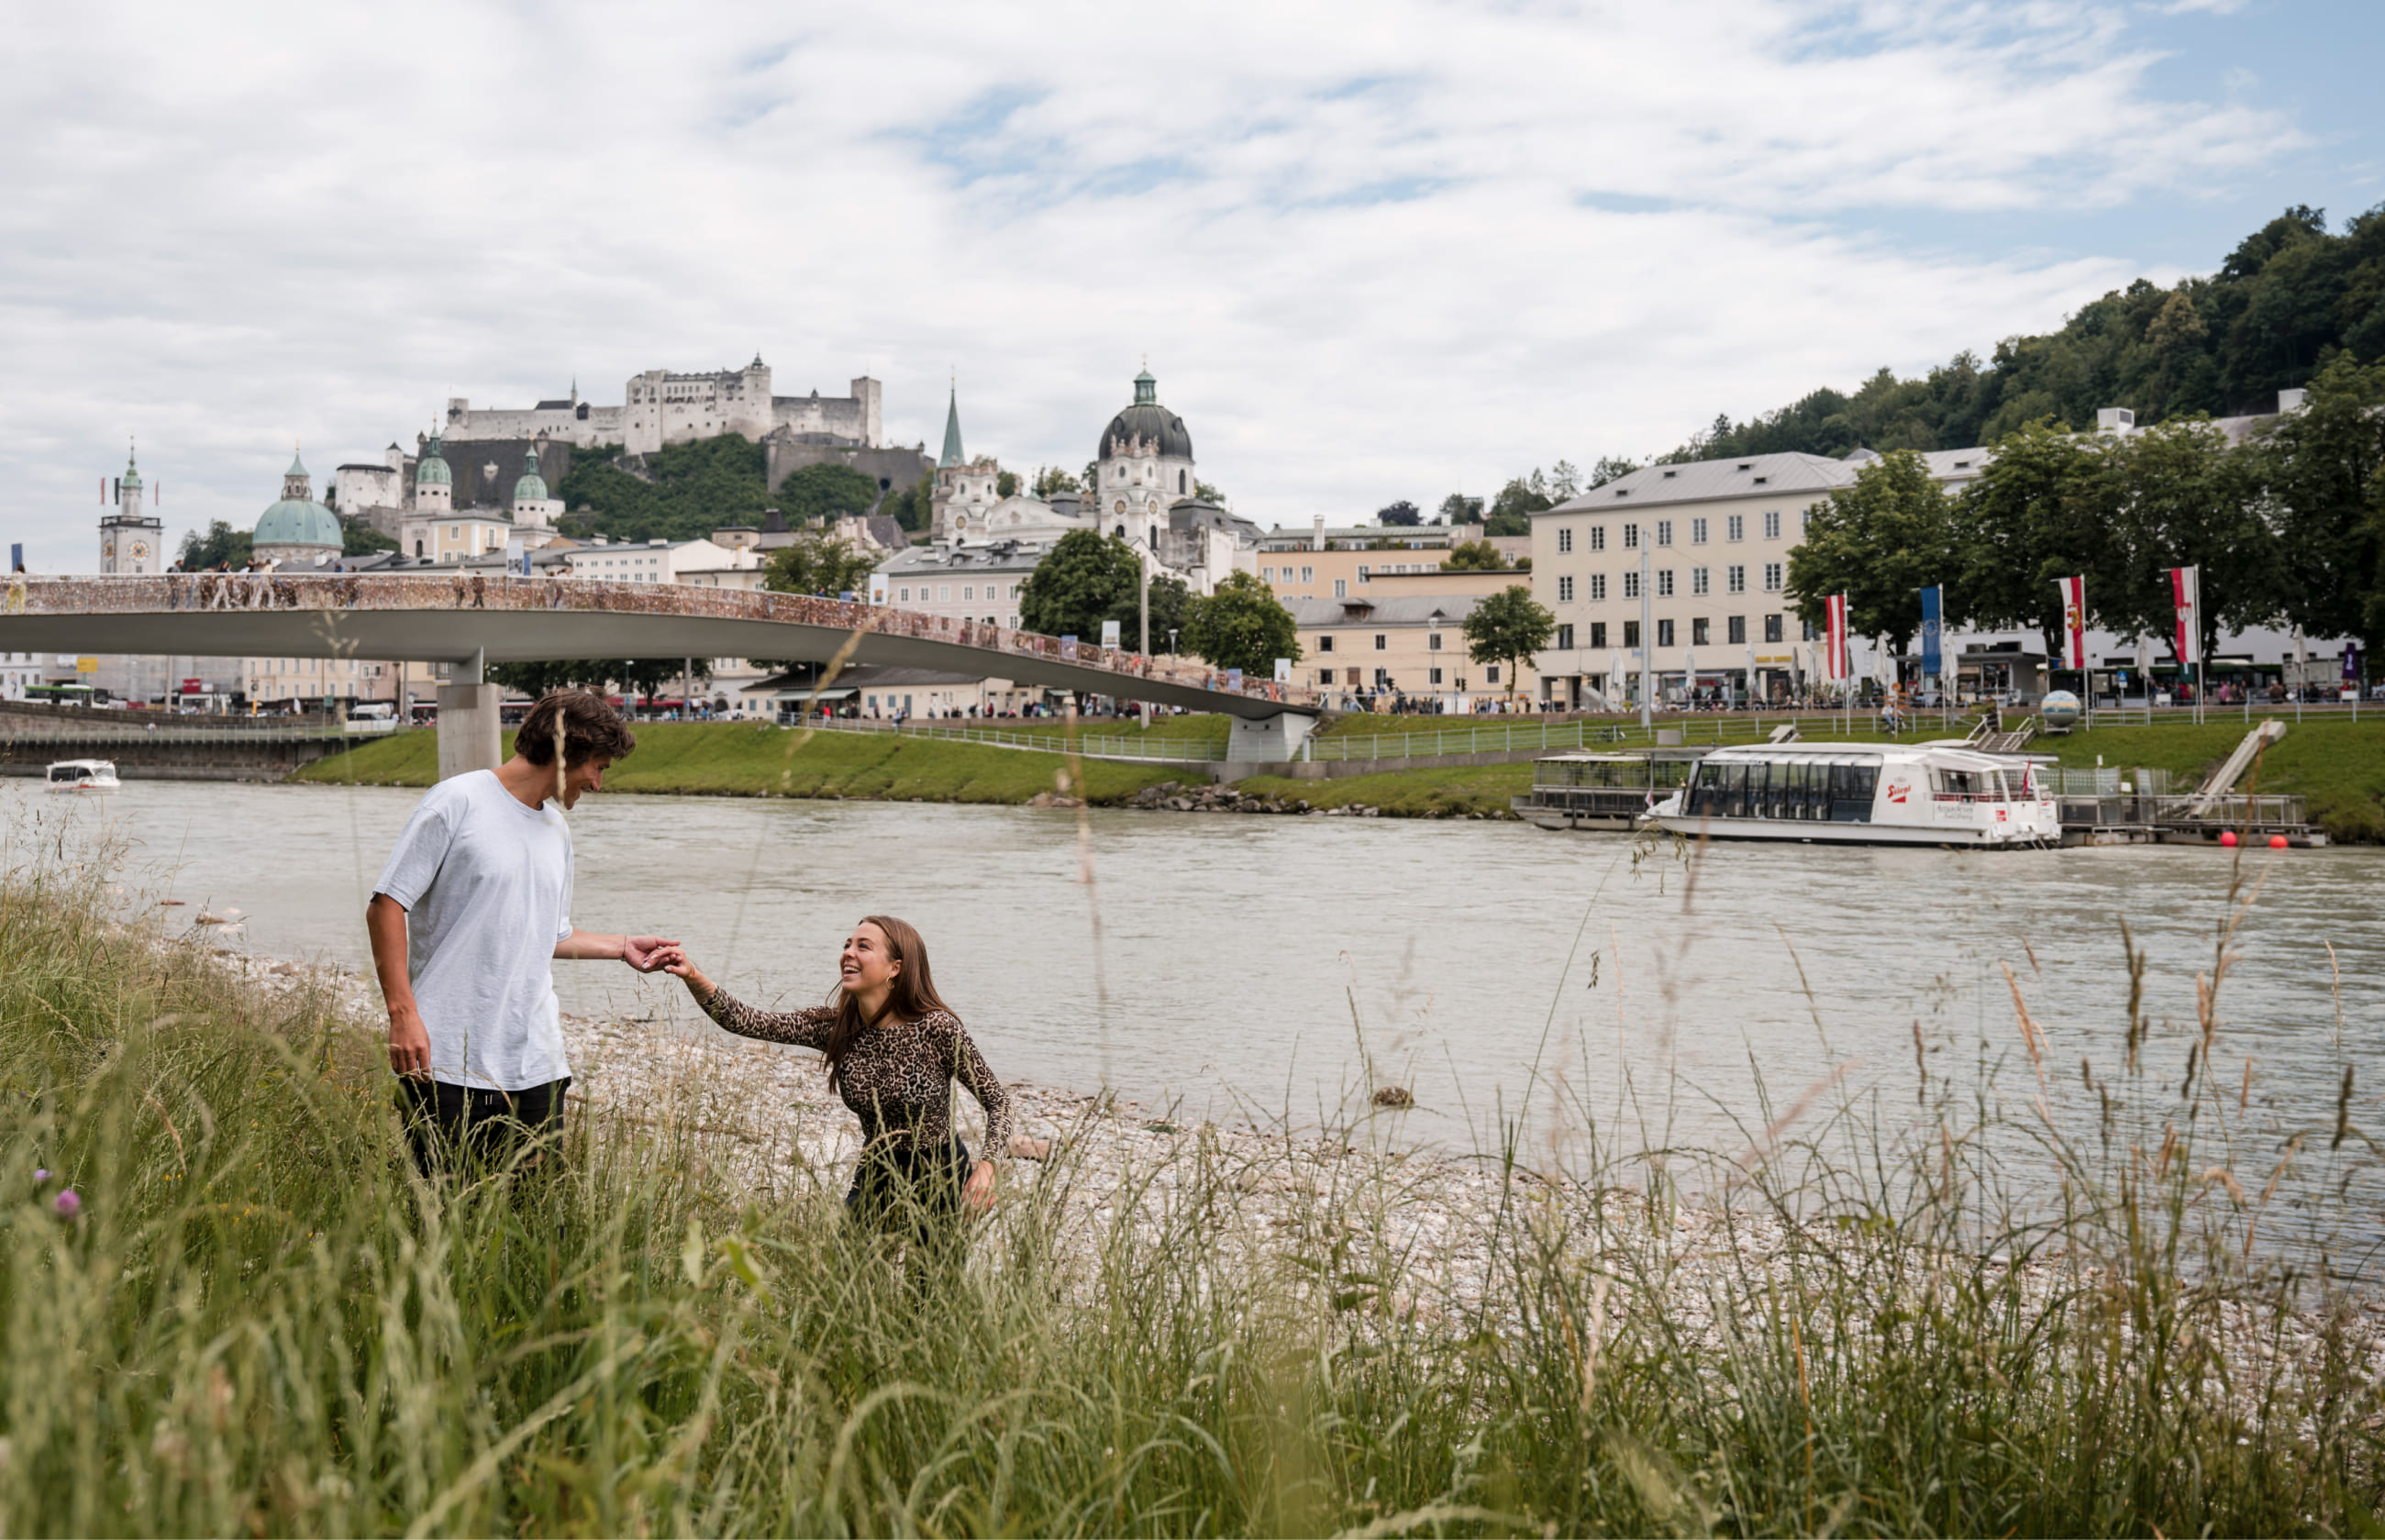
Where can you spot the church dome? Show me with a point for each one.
(292, 522)
(531, 488)
(1147, 419)
(433, 471)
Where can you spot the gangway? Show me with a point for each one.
(2231, 770)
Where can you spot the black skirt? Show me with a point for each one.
(899, 1186)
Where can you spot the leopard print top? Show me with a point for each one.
(898, 1077)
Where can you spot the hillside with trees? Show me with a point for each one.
(2291, 297)
(685, 492)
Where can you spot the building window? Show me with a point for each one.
(1737, 626)
(1490, 674)
(1564, 590)
(1434, 675)
(1698, 582)
(1365, 573)
(1267, 575)
(1631, 585)
(1432, 641)
(1325, 643)
(1735, 577)
(1324, 676)
(1565, 543)
(1382, 643)
(1805, 516)
(1340, 588)
(943, 590)
(968, 592)
(1308, 575)
(1699, 635)
(1598, 633)
(1349, 676)
(1663, 582)
(1564, 638)
(1663, 633)
(1772, 628)
(1697, 531)
(1598, 537)
(1630, 633)
(1772, 527)
(1664, 531)
(1631, 537)
(1735, 527)
(1772, 577)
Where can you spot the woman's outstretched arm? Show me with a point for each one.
(804, 1028)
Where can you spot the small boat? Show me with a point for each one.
(84, 774)
(1940, 793)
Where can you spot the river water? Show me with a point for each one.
(1217, 963)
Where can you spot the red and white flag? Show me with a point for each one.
(1834, 640)
(2074, 621)
(2186, 592)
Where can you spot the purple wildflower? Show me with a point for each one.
(42, 1175)
(67, 1204)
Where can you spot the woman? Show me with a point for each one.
(893, 1049)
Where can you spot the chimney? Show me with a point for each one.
(2289, 401)
(2119, 421)
(1317, 541)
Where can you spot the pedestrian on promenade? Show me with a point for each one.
(465, 922)
(894, 1048)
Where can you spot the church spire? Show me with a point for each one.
(951, 456)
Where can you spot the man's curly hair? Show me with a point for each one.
(583, 723)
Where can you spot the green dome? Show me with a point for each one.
(292, 522)
(531, 488)
(433, 471)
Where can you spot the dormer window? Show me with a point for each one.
(1670, 474)
(1747, 465)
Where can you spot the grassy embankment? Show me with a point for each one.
(256, 1321)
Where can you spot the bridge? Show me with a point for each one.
(470, 620)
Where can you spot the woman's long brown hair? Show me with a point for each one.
(909, 997)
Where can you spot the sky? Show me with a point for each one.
(1372, 252)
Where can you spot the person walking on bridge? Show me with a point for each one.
(465, 922)
(893, 1049)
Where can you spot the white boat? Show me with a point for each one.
(1938, 793)
(84, 774)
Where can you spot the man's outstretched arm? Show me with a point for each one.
(641, 952)
(409, 1040)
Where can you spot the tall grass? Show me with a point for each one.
(261, 1321)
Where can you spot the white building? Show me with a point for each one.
(131, 538)
(661, 406)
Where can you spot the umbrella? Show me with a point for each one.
(1615, 678)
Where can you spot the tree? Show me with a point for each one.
(360, 539)
(1005, 484)
(1475, 556)
(913, 507)
(1610, 467)
(1457, 508)
(1512, 510)
(1088, 577)
(1880, 543)
(1242, 626)
(679, 493)
(1565, 481)
(2325, 468)
(1052, 479)
(1403, 512)
(1208, 493)
(817, 562)
(221, 546)
(1507, 627)
(2019, 528)
(1171, 601)
(541, 678)
(825, 491)
(2180, 495)
(647, 678)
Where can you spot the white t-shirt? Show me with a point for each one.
(486, 884)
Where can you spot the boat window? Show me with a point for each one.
(2016, 785)
(1852, 788)
(66, 771)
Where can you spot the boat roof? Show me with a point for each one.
(86, 764)
(1623, 756)
(1943, 755)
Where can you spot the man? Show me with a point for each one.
(472, 906)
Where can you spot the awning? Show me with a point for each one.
(839, 693)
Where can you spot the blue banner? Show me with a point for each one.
(1932, 602)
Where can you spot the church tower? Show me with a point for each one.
(434, 484)
(131, 540)
(966, 488)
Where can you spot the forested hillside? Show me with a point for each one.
(2289, 298)
(684, 491)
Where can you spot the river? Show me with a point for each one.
(1233, 951)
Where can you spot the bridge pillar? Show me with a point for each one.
(467, 729)
(1269, 740)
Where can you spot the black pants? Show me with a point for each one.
(902, 1190)
(467, 1128)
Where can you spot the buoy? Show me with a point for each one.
(2228, 837)
(2277, 841)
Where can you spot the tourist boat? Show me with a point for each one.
(1589, 789)
(84, 774)
(1940, 793)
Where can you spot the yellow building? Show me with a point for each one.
(1364, 647)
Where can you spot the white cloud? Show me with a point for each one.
(1371, 251)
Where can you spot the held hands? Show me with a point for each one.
(646, 953)
(672, 959)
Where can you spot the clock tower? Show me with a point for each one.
(132, 541)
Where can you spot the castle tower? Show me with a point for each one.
(132, 541)
(434, 484)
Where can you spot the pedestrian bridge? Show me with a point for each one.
(471, 620)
